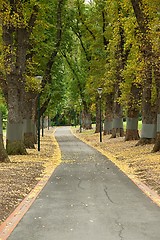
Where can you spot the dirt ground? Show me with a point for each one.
(20, 176)
(136, 161)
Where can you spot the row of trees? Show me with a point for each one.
(77, 47)
(119, 42)
(31, 33)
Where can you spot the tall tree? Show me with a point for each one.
(154, 12)
(131, 86)
(116, 63)
(43, 51)
(78, 55)
(24, 38)
(16, 31)
(148, 108)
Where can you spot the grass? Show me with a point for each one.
(139, 125)
(124, 125)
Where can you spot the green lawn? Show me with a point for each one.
(124, 125)
(139, 125)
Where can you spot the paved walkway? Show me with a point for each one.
(88, 198)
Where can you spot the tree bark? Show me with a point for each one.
(148, 133)
(117, 126)
(132, 132)
(16, 43)
(108, 114)
(121, 57)
(86, 116)
(29, 121)
(15, 139)
(148, 109)
(86, 120)
(156, 68)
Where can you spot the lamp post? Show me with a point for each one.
(42, 125)
(100, 111)
(75, 116)
(80, 118)
(39, 117)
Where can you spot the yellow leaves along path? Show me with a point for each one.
(19, 177)
(142, 166)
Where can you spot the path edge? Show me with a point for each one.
(143, 187)
(7, 227)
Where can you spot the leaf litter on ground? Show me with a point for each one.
(21, 175)
(135, 161)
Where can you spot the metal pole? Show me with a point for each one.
(100, 118)
(80, 118)
(100, 112)
(75, 116)
(81, 122)
(38, 122)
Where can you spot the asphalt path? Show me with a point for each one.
(88, 198)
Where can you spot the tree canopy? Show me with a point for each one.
(78, 46)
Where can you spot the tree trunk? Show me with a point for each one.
(86, 117)
(29, 133)
(132, 132)
(87, 123)
(15, 139)
(29, 125)
(3, 153)
(117, 126)
(148, 110)
(156, 68)
(14, 40)
(108, 121)
(156, 147)
(16, 43)
(148, 132)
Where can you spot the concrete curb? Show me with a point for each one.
(149, 192)
(11, 222)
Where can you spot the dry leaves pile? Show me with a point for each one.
(20, 176)
(137, 161)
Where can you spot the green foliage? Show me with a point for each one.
(101, 47)
(3, 109)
